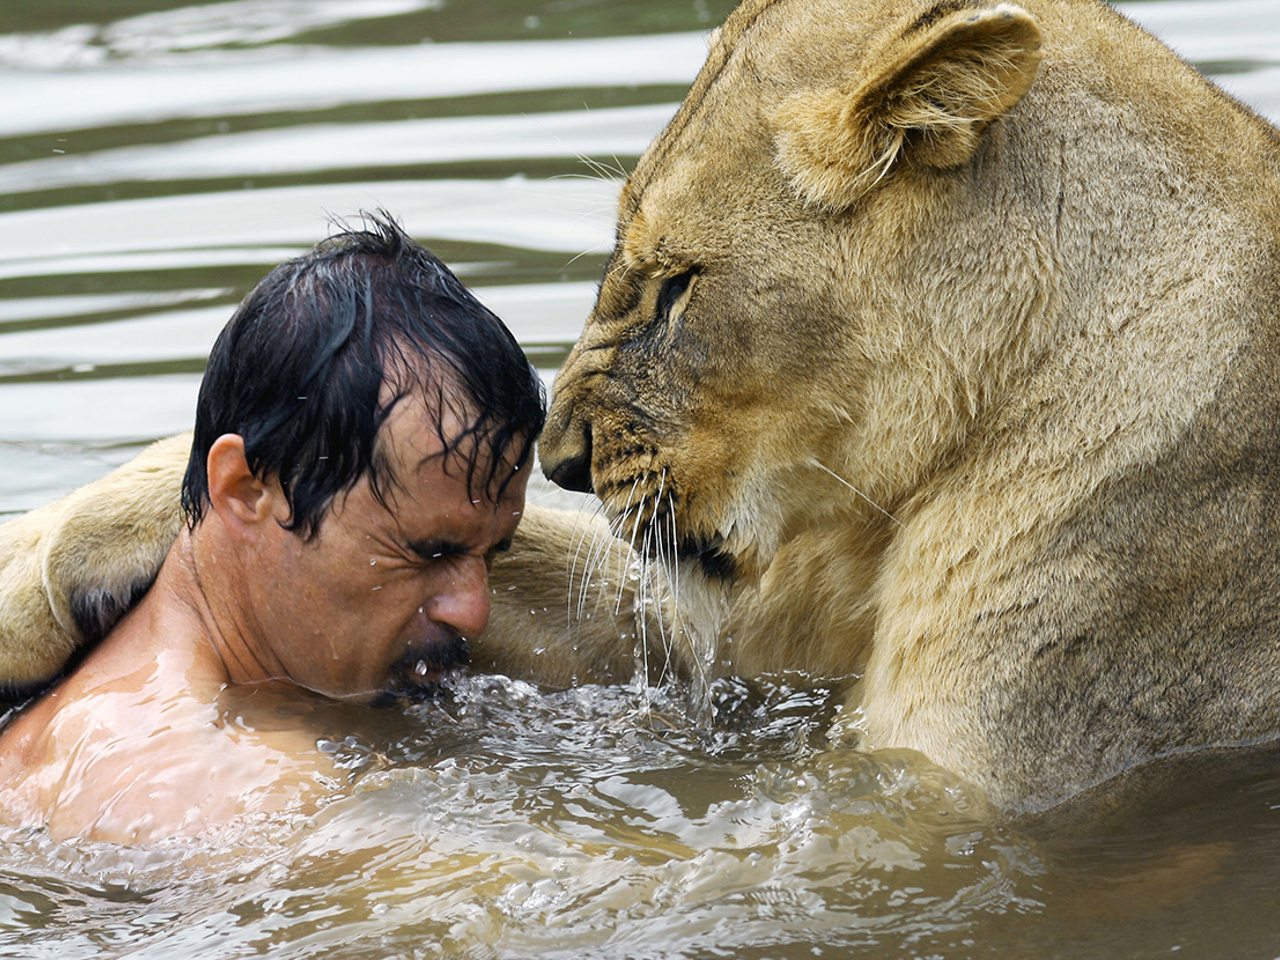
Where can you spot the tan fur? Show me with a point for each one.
(947, 335)
(563, 608)
(71, 565)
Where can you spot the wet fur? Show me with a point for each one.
(69, 570)
(948, 336)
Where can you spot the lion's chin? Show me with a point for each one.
(710, 557)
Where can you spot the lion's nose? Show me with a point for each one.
(572, 468)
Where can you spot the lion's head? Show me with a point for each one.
(805, 309)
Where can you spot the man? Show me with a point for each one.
(362, 442)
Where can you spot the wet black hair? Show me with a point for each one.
(300, 372)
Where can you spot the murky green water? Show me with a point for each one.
(155, 160)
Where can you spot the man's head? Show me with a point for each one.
(302, 371)
(362, 437)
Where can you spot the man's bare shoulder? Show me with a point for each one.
(92, 768)
(142, 742)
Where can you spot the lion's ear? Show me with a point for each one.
(925, 96)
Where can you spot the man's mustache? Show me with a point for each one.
(417, 674)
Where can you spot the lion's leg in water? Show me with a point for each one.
(69, 570)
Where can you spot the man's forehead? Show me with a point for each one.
(425, 436)
(424, 422)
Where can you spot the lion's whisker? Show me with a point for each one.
(635, 528)
(814, 461)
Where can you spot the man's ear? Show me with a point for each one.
(240, 499)
(926, 96)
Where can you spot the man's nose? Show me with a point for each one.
(463, 602)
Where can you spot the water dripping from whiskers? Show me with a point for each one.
(631, 545)
(702, 610)
(689, 609)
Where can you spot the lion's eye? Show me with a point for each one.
(674, 294)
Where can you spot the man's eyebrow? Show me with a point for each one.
(435, 549)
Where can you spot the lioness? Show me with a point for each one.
(942, 339)
(946, 334)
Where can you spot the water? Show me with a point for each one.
(155, 160)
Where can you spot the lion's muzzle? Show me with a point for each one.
(566, 458)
